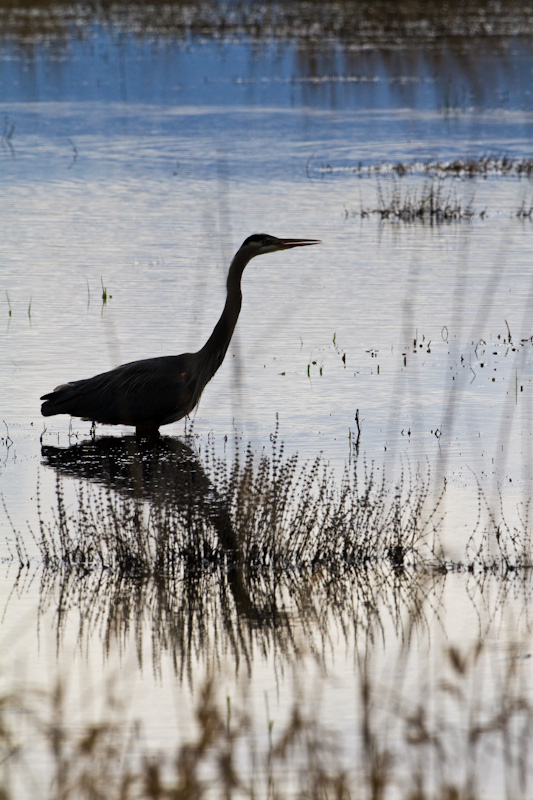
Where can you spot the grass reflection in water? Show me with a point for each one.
(241, 554)
(215, 558)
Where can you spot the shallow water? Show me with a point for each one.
(139, 162)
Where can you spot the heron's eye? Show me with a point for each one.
(255, 238)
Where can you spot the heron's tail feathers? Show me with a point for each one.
(59, 401)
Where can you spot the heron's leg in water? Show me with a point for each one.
(147, 431)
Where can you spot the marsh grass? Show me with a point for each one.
(526, 210)
(260, 513)
(226, 555)
(384, 23)
(496, 546)
(467, 167)
(105, 295)
(403, 747)
(433, 203)
(253, 530)
(243, 552)
(261, 553)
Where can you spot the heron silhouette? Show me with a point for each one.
(157, 391)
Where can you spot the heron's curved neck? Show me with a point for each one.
(215, 348)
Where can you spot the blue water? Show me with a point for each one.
(332, 104)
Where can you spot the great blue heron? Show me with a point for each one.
(157, 391)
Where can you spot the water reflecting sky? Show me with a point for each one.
(139, 163)
(143, 161)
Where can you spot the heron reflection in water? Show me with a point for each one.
(186, 508)
(157, 391)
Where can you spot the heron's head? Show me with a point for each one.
(259, 243)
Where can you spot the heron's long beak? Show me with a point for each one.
(285, 244)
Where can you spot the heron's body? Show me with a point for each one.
(156, 391)
(119, 397)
